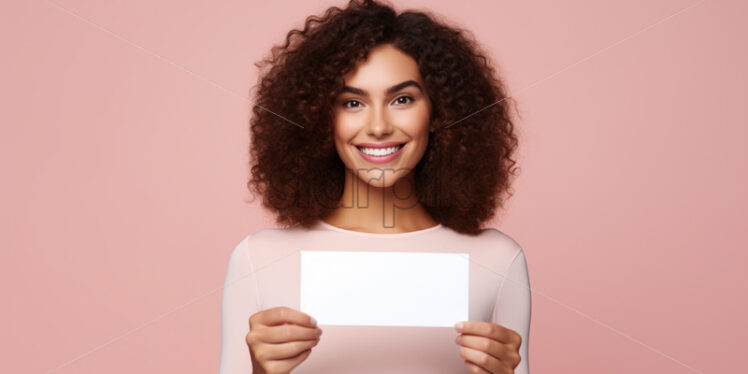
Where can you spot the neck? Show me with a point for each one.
(367, 208)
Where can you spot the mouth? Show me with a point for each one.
(379, 153)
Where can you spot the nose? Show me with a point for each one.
(379, 124)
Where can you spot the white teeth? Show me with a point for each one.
(380, 151)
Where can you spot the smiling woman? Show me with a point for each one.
(390, 125)
(335, 74)
(378, 131)
(381, 131)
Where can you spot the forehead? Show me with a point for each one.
(384, 67)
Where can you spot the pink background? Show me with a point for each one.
(123, 144)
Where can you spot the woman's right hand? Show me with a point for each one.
(280, 339)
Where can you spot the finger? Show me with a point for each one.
(484, 360)
(475, 369)
(283, 351)
(286, 333)
(490, 330)
(280, 315)
(502, 352)
(285, 366)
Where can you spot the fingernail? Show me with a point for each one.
(314, 321)
(458, 326)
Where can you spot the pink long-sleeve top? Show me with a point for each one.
(264, 272)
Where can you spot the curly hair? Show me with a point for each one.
(467, 169)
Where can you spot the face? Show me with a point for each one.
(381, 120)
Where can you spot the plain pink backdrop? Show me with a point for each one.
(124, 144)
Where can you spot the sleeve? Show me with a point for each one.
(513, 306)
(239, 301)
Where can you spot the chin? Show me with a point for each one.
(375, 178)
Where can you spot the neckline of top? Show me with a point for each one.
(375, 234)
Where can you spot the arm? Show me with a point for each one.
(239, 301)
(513, 306)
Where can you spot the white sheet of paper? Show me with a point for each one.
(385, 288)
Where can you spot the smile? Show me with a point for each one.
(379, 155)
(380, 151)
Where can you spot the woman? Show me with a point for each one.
(374, 131)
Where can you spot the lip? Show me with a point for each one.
(379, 145)
(381, 159)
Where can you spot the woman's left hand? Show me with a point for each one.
(488, 347)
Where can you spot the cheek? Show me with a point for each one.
(421, 149)
(417, 117)
(343, 128)
(341, 136)
(418, 129)
(341, 149)
(416, 124)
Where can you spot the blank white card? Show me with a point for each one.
(385, 288)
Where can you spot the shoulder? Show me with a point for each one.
(272, 236)
(239, 254)
(242, 248)
(267, 244)
(492, 249)
(497, 240)
(498, 236)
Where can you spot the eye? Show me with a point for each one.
(410, 99)
(345, 104)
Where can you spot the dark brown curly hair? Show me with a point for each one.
(466, 171)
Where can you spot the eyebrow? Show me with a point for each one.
(390, 90)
